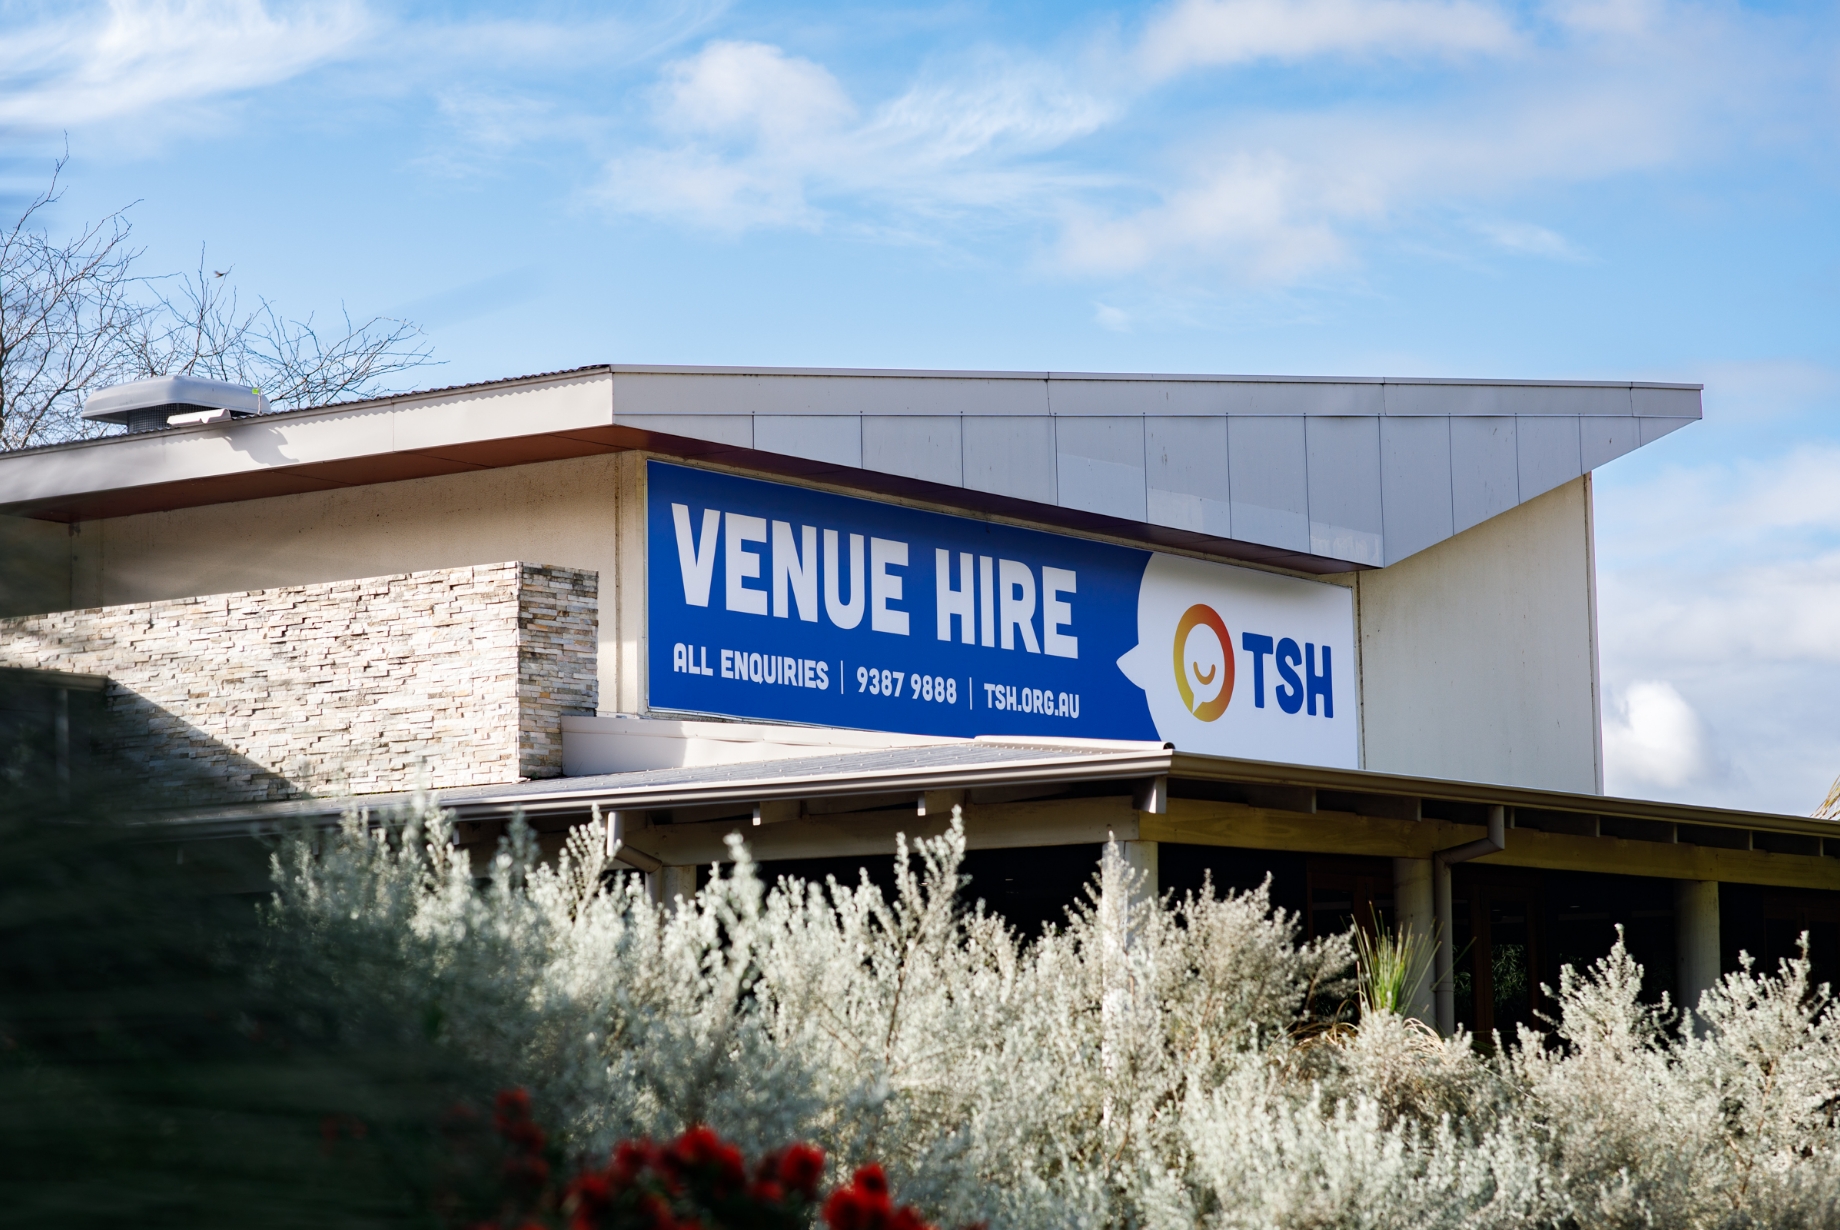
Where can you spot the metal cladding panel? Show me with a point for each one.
(1100, 465)
(1534, 400)
(1415, 484)
(1011, 456)
(1112, 397)
(929, 447)
(834, 438)
(1505, 399)
(743, 393)
(1349, 471)
(1484, 473)
(1313, 397)
(1665, 403)
(1344, 484)
(734, 430)
(1269, 473)
(1654, 428)
(1185, 470)
(1548, 453)
(1605, 439)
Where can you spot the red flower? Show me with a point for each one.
(631, 1158)
(865, 1205)
(511, 1106)
(800, 1168)
(700, 1149)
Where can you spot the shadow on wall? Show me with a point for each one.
(181, 765)
(34, 566)
(52, 729)
(62, 731)
(164, 1062)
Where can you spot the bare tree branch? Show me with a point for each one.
(302, 369)
(67, 317)
(75, 317)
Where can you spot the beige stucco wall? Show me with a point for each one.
(1479, 655)
(563, 513)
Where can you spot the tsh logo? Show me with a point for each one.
(1241, 663)
(1204, 662)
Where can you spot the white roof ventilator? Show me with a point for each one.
(173, 401)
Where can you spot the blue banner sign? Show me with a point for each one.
(777, 603)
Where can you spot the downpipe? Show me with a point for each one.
(1444, 992)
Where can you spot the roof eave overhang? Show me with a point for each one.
(1132, 765)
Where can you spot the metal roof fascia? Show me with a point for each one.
(284, 443)
(1081, 768)
(1193, 766)
(483, 803)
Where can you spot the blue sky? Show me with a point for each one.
(1574, 189)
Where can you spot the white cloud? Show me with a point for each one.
(1527, 239)
(1201, 33)
(1114, 166)
(1653, 737)
(760, 137)
(1744, 513)
(1266, 218)
(94, 65)
(752, 90)
(1617, 17)
(1285, 195)
(1111, 319)
(1723, 580)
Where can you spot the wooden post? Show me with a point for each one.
(1414, 913)
(1696, 939)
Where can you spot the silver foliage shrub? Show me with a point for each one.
(1172, 1064)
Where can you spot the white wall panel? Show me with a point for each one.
(927, 447)
(1415, 484)
(1653, 429)
(1100, 465)
(836, 438)
(1484, 473)
(1185, 465)
(1269, 476)
(1546, 448)
(1344, 484)
(1604, 439)
(1011, 456)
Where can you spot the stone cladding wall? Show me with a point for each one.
(452, 677)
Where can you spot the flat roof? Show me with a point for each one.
(1315, 473)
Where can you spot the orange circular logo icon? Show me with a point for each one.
(1199, 663)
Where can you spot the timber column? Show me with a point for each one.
(1414, 914)
(1696, 939)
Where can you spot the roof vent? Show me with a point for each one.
(172, 401)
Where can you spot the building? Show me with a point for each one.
(1340, 631)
